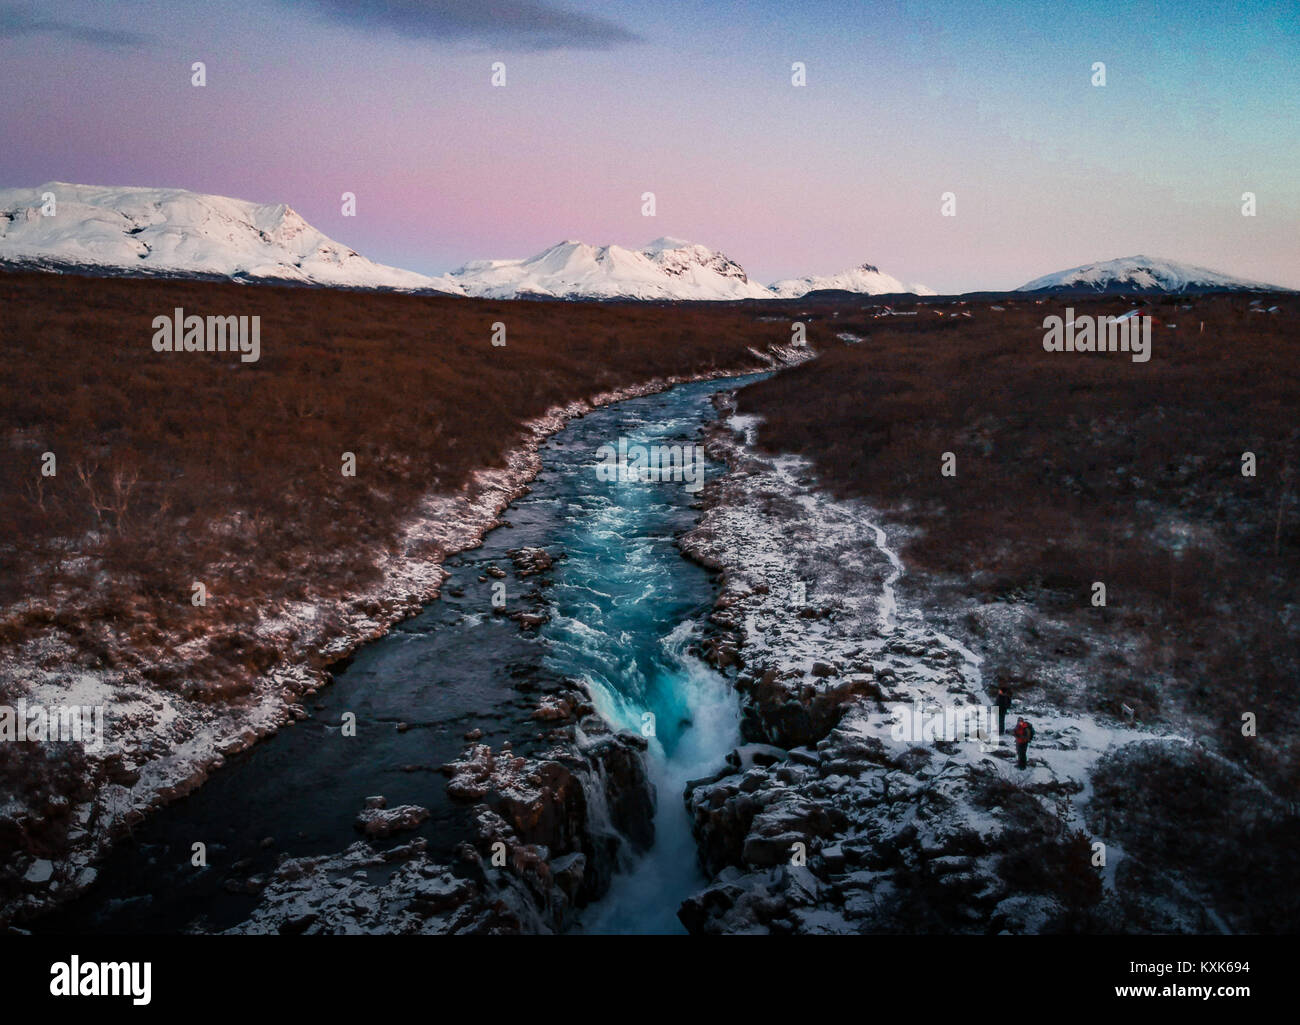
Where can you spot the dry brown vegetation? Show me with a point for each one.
(1082, 467)
(1071, 467)
(176, 467)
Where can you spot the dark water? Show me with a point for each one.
(624, 609)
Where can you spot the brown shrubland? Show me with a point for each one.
(176, 467)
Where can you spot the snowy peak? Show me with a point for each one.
(174, 232)
(667, 242)
(866, 278)
(667, 268)
(687, 260)
(1141, 274)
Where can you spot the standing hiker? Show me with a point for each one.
(1004, 703)
(1023, 733)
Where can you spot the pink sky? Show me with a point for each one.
(915, 101)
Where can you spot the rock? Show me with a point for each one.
(748, 755)
(568, 872)
(529, 561)
(553, 709)
(381, 822)
(445, 891)
(472, 776)
(833, 857)
(530, 620)
(297, 924)
(40, 872)
(560, 858)
(233, 745)
(767, 851)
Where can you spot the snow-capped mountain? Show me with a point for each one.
(173, 232)
(667, 268)
(866, 278)
(1141, 274)
(178, 233)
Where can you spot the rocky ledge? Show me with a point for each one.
(550, 832)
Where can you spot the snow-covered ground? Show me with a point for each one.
(169, 231)
(555, 819)
(138, 231)
(667, 268)
(901, 832)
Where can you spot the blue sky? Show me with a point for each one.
(693, 101)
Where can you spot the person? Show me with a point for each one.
(1023, 733)
(1004, 703)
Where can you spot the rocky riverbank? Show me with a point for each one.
(550, 833)
(839, 815)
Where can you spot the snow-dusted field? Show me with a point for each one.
(900, 832)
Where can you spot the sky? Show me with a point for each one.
(904, 101)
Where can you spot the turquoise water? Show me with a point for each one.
(627, 611)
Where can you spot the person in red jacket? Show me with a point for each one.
(1023, 733)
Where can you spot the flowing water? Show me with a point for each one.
(625, 612)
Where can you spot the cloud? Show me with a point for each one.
(515, 24)
(16, 22)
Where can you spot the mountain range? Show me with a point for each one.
(178, 233)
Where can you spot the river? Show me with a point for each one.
(625, 609)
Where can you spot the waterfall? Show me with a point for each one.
(645, 898)
(626, 607)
